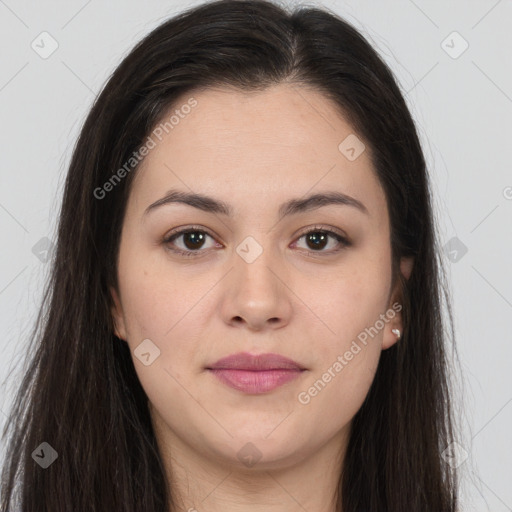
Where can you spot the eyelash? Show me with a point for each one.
(344, 242)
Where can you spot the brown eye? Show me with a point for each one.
(318, 239)
(192, 241)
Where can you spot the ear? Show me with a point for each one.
(395, 305)
(117, 316)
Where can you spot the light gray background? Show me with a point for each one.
(463, 109)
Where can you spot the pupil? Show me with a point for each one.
(195, 237)
(316, 237)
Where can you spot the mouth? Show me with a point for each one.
(255, 374)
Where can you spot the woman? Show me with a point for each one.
(245, 306)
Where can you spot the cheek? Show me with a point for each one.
(155, 298)
(146, 306)
(170, 308)
(346, 359)
(352, 306)
(160, 310)
(349, 305)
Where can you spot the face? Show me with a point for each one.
(311, 282)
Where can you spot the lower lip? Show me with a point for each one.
(255, 382)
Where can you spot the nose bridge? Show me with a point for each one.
(256, 293)
(256, 264)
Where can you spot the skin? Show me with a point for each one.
(255, 151)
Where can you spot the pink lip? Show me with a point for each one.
(255, 373)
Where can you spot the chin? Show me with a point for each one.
(254, 450)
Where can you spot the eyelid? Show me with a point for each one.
(319, 227)
(185, 229)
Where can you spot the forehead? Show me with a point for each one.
(283, 116)
(256, 146)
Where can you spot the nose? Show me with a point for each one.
(256, 294)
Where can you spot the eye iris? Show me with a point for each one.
(193, 240)
(318, 239)
(195, 237)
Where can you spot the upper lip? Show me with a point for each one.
(246, 361)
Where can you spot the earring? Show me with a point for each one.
(397, 332)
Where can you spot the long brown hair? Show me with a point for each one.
(81, 394)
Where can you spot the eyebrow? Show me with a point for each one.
(291, 207)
